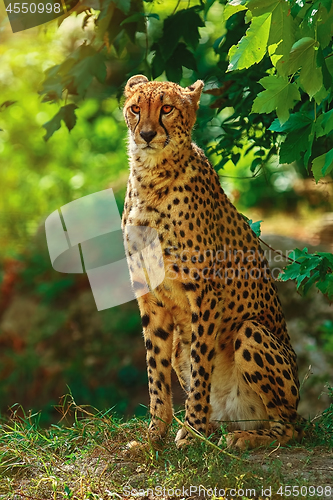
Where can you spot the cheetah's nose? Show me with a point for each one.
(148, 136)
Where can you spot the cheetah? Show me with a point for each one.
(215, 318)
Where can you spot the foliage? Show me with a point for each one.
(309, 269)
(255, 226)
(37, 177)
(323, 427)
(93, 454)
(298, 41)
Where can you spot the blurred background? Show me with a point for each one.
(52, 338)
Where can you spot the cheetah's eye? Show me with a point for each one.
(135, 109)
(166, 109)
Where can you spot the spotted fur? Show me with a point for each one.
(216, 318)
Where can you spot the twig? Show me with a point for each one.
(278, 252)
(175, 9)
(203, 438)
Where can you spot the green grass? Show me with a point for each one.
(90, 458)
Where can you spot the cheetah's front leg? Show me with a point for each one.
(157, 329)
(205, 324)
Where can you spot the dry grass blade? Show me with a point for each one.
(196, 434)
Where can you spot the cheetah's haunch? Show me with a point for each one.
(216, 318)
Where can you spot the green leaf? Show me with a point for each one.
(321, 95)
(208, 5)
(299, 52)
(283, 26)
(120, 42)
(184, 24)
(325, 125)
(321, 63)
(123, 5)
(255, 226)
(322, 165)
(173, 66)
(252, 47)
(308, 265)
(317, 166)
(137, 17)
(290, 272)
(65, 114)
(316, 11)
(324, 267)
(301, 254)
(314, 278)
(327, 256)
(296, 6)
(311, 77)
(310, 144)
(280, 95)
(303, 55)
(104, 19)
(295, 144)
(328, 164)
(86, 69)
(158, 63)
(260, 7)
(282, 34)
(302, 270)
(181, 57)
(324, 29)
(230, 9)
(255, 163)
(326, 286)
(296, 121)
(53, 84)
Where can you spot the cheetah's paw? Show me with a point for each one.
(244, 440)
(183, 438)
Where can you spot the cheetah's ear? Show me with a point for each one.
(133, 82)
(194, 91)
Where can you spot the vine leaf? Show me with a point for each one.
(326, 286)
(296, 121)
(91, 65)
(310, 269)
(322, 165)
(123, 5)
(282, 33)
(232, 8)
(295, 144)
(252, 47)
(280, 95)
(173, 65)
(184, 24)
(303, 55)
(66, 114)
(255, 226)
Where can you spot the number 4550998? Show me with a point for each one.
(305, 491)
(33, 8)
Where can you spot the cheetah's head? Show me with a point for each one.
(159, 116)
